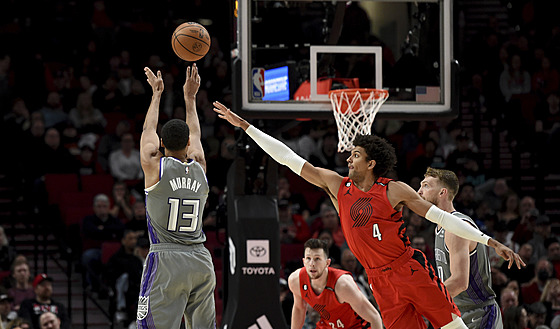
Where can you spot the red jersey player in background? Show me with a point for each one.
(370, 206)
(331, 292)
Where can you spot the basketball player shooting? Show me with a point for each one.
(370, 207)
(331, 292)
(178, 277)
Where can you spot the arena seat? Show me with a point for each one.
(108, 249)
(99, 183)
(56, 184)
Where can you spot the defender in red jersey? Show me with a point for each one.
(331, 292)
(403, 283)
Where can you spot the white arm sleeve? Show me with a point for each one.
(455, 225)
(277, 150)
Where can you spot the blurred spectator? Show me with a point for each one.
(111, 142)
(328, 220)
(551, 298)
(18, 120)
(122, 202)
(108, 98)
(85, 117)
(465, 161)
(32, 309)
(464, 202)
(53, 112)
(7, 252)
(514, 80)
(525, 274)
(509, 212)
(546, 80)
(293, 228)
(286, 300)
(219, 165)
(537, 314)
(55, 158)
(508, 298)
(49, 320)
(87, 162)
(541, 232)
(297, 200)
(326, 155)
(350, 264)
(97, 228)
(494, 193)
(334, 251)
(136, 101)
(123, 274)
(125, 162)
(515, 318)
(552, 246)
(6, 313)
(524, 231)
(22, 288)
(531, 291)
(138, 222)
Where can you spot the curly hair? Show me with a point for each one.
(380, 150)
(175, 134)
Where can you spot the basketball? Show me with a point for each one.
(190, 41)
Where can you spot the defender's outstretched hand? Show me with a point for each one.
(227, 114)
(192, 83)
(508, 254)
(155, 81)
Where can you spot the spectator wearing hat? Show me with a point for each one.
(541, 232)
(531, 291)
(32, 309)
(6, 314)
(524, 231)
(22, 288)
(537, 314)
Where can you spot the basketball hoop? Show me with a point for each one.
(354, 111)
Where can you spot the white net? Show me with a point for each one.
(354, 111)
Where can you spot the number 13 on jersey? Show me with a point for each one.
(192, 214)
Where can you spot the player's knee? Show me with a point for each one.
(457, 323)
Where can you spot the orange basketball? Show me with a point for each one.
(190, 41)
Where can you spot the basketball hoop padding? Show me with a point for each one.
(354, 111)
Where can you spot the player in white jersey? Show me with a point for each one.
(178, 277)
(463, 265)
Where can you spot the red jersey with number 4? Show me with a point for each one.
(333, 314)
(374, 230)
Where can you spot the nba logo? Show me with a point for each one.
(258, 83)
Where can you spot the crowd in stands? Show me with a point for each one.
(74, 103)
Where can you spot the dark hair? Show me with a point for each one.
(175, 135)
(380, 150)
(447, 178)
(317, 244)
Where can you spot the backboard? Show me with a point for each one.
(289, 54)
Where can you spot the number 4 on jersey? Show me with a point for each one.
(376, 233)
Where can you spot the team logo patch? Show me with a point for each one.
(361, 211)
(143, 304)
(348, 184)
(304, 287)
(187, 170)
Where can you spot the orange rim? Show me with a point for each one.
(378, 93)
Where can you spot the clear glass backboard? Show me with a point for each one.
(291, 53)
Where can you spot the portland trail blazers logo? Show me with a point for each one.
(361, 211)
(321, 310)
